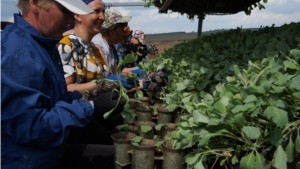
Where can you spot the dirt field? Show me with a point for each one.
(162, 46)
(167, 40)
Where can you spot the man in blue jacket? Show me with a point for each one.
(37, 111)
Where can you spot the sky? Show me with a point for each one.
(277, 12)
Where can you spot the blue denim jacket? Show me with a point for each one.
(37, 111)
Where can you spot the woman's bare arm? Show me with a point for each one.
(71, 86)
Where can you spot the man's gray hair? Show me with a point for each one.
(25, 7)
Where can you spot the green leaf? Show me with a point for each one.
(255, 113)
(294, 83)
(234, 159)
(280, 159)
(124, 127)
(283, 47)
(219, 87)
(171, 107)
(239, 120)
(186, 99)
(139, 93)
(297, 143)
(145, 129)
(272, 54)
(214, 121)
(159, 143)
(232, 88)
(159, 126)
(219, 106)
(282, 80)
(199, 165)
(278, 89)
(180, 86)
(291, 65)
(137, 139)
(280, 104)
(290, 151)
(192, 159)
(250, 98)
(206, 46)
(136, 144)
(248, 161)
(243, 108)
(130, 58)
(199, 117)
(187, 82)
(251, 132)
(230, 78)
(260, 161)
(278, 116)
(184, 63)
(276, 136)
(206, 138)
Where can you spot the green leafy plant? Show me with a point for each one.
(160, 126)
(127, 112)
(154, 110)
(136, 140)
(239, 95)
(124, 127)
(145, 128)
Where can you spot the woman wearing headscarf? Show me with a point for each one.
(113, 31)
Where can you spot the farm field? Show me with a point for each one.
(162, 46)
(170, 37)
(168, 40)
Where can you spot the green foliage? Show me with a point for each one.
(136, 140)
(238, 92)
(159, 126)
(280, 158)
(145, 129)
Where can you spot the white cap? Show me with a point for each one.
(76, 6)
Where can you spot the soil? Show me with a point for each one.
(162, 46)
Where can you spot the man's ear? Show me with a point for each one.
(77, 17)
(34, 6)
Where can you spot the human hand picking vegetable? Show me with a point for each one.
(138, 71)
(126, 83)
(106, 102)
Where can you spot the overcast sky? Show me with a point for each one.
(277, 12)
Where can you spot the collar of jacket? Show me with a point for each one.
(25, 26)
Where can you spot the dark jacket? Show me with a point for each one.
(37, 111)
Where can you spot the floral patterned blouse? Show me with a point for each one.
(81, 58)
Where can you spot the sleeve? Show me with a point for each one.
(97, 39)
(66, 53)
(70, 96)
(28, 115)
